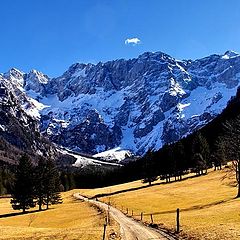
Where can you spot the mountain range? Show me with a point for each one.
(127, 105)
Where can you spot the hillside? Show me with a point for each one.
(208, 208)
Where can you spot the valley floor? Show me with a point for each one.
(71, 220)
(208, 208)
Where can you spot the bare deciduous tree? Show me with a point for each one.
(232, 143)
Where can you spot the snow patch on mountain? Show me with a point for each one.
(229, 54)
(213, 100)
(83, 161)
(114, 154)
(33, 108)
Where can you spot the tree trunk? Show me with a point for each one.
(24, 208)
(40, 204)
(238, 195)
(47, 201)
(166, 177)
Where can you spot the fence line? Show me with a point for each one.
(141, 215)
(187, 209)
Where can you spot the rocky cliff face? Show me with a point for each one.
(133, 104)
(19, 130)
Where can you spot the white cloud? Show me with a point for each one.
(132, 41)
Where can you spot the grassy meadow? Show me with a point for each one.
(208, 208)
(71, 220)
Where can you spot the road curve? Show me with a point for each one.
(130, 229)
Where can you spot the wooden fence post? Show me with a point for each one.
(132, 212)
(104, 231)
(178, 221)
(108, 215)
(127, 210)
(141, 216)
(151, 218)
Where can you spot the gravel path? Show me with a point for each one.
(130, 229)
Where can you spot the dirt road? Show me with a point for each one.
(130, 229)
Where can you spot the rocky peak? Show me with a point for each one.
(15, 76)
(230, 54)
(14, 72)
(35, 81)
(39, 76)
(75, 68)
(157, 56)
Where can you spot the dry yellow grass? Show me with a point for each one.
(111, 189)
(119, 187)
(71, 220)
(207, 204)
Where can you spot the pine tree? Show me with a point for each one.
(218, 156)
(200, 152)
(164, 163)
(23, 190)
(65, 182)
(39, 182)
(180, 159)
(149, 172)
(52, 185)
(72, 183)
(200, 163)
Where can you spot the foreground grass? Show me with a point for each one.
(71, 220)
(207, 204)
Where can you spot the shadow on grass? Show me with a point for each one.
(21, 213)
(141, 187)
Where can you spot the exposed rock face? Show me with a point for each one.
(134, 104)
(17, 125)
(35, 81)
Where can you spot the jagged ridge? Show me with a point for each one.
(133, 104)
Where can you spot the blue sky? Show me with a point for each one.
(50, 35)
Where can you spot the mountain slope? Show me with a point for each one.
(19, 130)
(133, 104)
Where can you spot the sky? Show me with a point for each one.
(50, 35)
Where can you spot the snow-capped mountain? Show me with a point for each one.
(19, 130)
(132, 105)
